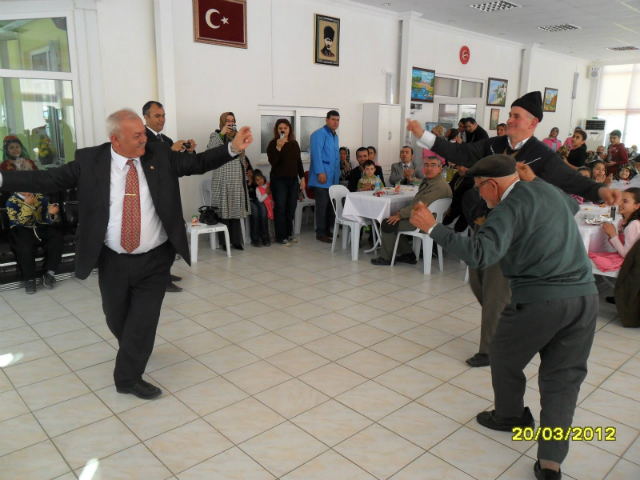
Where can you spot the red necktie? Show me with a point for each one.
(130, 239)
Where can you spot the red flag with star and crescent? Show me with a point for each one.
(221, 22)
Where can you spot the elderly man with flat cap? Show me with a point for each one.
(554, 301)
(488, 284)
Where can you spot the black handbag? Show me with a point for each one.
(208, 215)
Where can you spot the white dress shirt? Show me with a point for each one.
(152, 233)
(157, 134)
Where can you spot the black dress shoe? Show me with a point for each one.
(256, 244)
(141, 389)
(30, 287)
(506, 424)
(237, 246)
(479, 360)
(173, 288)
(48, 280)
(611, 300)
(380, 261)
(409, 258)
(174, 278)
(545, 473)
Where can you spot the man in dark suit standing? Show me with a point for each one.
(131, 226)
(154, 116)
(474, 132)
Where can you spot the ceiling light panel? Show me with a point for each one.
(622, 49)
(559, 28)
(495, 6)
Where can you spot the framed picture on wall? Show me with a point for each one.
(497, 92)
(327, 40)
(495, 119)
(550, 99)
(220, 22)
(422, 83)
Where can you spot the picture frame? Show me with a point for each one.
(327, 40)
(550, 99)
(422, 84)
(494, 120)
(220, 22)
(497, 92)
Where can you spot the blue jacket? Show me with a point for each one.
(325, 158)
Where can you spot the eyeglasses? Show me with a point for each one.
(479, 186)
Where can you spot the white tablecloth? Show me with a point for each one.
(593, 236)
(359, 205)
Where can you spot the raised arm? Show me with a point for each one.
(52, 180)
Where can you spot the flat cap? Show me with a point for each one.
(493, 166)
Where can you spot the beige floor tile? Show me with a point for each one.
(244, 420)
(334, 286)
(625, 436)
(427, 336)
(72, 340)
(607, 357)
(25, 352)
(297, 361)
(438, 365)
(38, 462)
(364, 335)
(249, 310)
(188, 445)
(615, 407)
(197, 306)
(36, 371)
(408, 381)
(157, 417)
(368, 363)
(182, 375)
(267, 345)
(632, 367)
(216, 318)
(42, 313)
(331, 422)
(476, 381)
(633, 452)
(361, 312)
(624, 470)
(588, 462)
(95, 441)
(333, 322)
(616, 342)
(399, 349)
(454, 403)
(441, 305)
(206, 291)
(18, 336)
(334, 303)
(379, 451)
(333, 347)
(598, 374)
(257, 377)
(523, 468)
(135, 462)
(372, 400)
(475, 454)
(52, 391)
(227, 359)
(9, 321)
(58, 326)
(392, 324)
(275, 320)
(281, 300)
(430, 467)
(417, 314)
(240, 331)
(180, 329)
(283, 448)
(93, 317)
(623, 384)
(75, 413)
(332, 379)
(117, 402)
(258, 292)
(291, 398)
(302, 332)
(164, 356)
(90, 355)
(468, 314)
(451, 325)
(11, 405)
(308, 293)
(97, 376)
(328, 465)
(20, 432)
(212, 395)
(233, 464)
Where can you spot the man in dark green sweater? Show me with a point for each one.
(554, 301)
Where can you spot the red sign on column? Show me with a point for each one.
(220, 22)
(464, 55)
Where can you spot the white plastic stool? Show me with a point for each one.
(199, 229)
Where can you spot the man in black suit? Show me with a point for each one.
(154, 116)
(474, 132)
(131, 226)
(362, 155)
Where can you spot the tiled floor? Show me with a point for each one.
(290, 363)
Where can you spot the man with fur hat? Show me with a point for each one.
(488, 284)
(554, 303)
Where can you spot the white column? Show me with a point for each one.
(408, 20)
(165, 57)
(528, 52)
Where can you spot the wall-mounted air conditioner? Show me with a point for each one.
(596, 133)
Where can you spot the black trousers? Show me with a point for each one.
(235, 231)
(132, 289)
(325, 216)
(25, 243)
(259, 221)
(285, 196)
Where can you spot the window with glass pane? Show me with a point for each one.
(267, 122)
(308, 125)
(471, 89)
(446, 87)
(35, 44)
(39, 113)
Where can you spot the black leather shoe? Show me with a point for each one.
(48, 280)
(409, 258)
(256, 244)
(506, 424)
(237, 246)
(380, 261)
(141, 389)
(30, 287)
(173, 288)
(479, 360)
(174, 278)
(546, 473)
(611, 300)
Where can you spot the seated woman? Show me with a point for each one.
(552, 140)
(345, 166)
(15, 156)
(30, 222)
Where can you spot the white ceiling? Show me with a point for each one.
(604, 23)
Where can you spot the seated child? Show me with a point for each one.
(30, 223)
(259, 209)
(368, 180)
(623, 177)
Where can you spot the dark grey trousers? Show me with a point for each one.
(493, 292)
(562, 331)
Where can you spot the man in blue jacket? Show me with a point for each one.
(325, 172)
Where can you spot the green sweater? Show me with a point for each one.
(535, 237)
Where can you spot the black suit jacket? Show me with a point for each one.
(151, 137)
(91, 174)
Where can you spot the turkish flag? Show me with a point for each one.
(221, 22)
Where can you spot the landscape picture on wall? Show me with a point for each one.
(550, 99)
(494, 119)
(497, 92)
(422, 83)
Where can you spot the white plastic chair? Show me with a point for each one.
(337, 193)
(605, 275)
(302, 204)
(205, 192)
(438, 208)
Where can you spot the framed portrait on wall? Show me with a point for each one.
(497, 92)
(327, 40)
(220, 22)
(550, 99)
(494, 119)
(422, 84)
